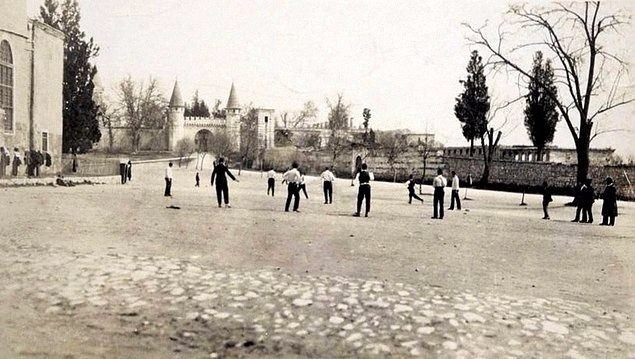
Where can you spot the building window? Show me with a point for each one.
(45, 141)
(6, 84)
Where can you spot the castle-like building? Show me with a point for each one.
(180, 126)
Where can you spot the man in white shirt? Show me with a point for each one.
(439, 184)
(327, 183)
(168, 180)
(292, 177)
(455, 193)
(271, 182)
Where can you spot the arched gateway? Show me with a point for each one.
(202, 129)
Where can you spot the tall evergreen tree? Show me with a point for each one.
(473, 104)
(80, 112)
(541, 115)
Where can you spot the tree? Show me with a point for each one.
(424, 148)
(541, 115)
(300, 118)
(198, 108)
(489, 150)
(308, 140)
(338, 120)
(392, 145)
(140, 107)
(80, 112)
(366, 123)
(576, 35)
(249, 146)
(184, 148)
(222, 144)
(473, 104)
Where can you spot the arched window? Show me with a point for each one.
(6, 84)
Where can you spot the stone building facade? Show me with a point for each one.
(552, 154)
(31, 78)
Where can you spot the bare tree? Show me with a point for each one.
(393, 145)
(425, 148)
(184, 148)
(140, 107)
(300, 118)
(585, 68)
(338, 120)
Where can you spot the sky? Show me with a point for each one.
(401, 59)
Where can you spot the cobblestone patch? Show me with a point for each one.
(267, 312)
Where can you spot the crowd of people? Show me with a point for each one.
(296, 185)
(33, 161)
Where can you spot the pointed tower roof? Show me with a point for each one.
(232, 101)
(176, 100)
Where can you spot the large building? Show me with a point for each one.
(31, 77)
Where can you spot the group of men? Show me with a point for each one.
(125, 170)
(33, 160)
(585, 197)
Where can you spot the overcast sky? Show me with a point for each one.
(402, 59)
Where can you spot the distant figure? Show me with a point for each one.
(588, 198)
(609, 206)
(4, 161)
(17, 161)
(578, 201)
(292, 177)
(198, 180)
(468, 181)
(363, 193)
(222, 189)
(455, 192)
(271, 182)
(129, 170)
(411, 190)
(168, 180)
(123, 172)
(38, 161)
(327, 185)
(546, 199)
(439, 184)
(74, 166)
(302, 186)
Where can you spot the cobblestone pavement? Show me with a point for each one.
(206, 312)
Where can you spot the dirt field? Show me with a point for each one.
(492, 248)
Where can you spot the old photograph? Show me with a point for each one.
(317, 179)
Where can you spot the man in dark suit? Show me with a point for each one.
(220, 173)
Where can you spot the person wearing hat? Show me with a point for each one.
(588, 198)
(363, 194)
(609, 206)
(222, 189)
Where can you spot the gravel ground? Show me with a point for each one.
(109, 271)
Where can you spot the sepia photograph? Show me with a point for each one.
(317, 179)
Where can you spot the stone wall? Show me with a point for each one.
(151, 140)
(88, 165)
(531, 174)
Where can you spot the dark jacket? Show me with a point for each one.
(220, 173)
(587, 196)
(609, 206)
(546, 195)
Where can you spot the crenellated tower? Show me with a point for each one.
(176, 117)
(233, 112)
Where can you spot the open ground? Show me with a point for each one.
(109, 271)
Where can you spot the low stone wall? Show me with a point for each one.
(88, 165)
(531, 174)
(51, 181)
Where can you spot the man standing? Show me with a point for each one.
(439, 184)
(168, 180)
(455, 193)
(222, 189)
(129, 170)
(577, 200)
(327, 183)
(17, 161)
(363, 178)
(3, 162)
(271, 182)
(123, 172)
(292, 177)
(588, 198)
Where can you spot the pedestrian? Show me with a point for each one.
(546, 199)
(327, 185)
(439, 184)
(3, 162)
(588, 198)
(74, 166)
(129, 170)
(609, 204)
(363, 193)
(17, 161)
(577, 200)
(198, 180)
(455, 192)
(221, 172)
(292, 177)
(27, 163)
(302, 186)
(168, 181)
(271, 182)
(411, 190)
(123, 173)
(39, 163)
